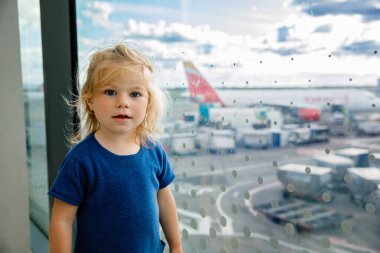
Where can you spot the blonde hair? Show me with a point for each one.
(107, 65)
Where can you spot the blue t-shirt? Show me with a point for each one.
(116, 196)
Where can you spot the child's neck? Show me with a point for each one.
(119, 145)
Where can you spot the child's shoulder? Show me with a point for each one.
(154, 145)
(83, 148)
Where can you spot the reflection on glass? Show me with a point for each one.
(31, 60)
(272, 105)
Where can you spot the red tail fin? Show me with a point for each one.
(200, 90)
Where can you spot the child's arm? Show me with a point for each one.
(169, 219)
(61, 227)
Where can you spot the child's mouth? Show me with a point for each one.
(121, 116)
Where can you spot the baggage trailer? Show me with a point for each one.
(339, 166)
(308, 182)
(358, 155)
(222, 140)
(183, 144)
(365, 186)
(215, 140)
(303, 215)
(252, 138)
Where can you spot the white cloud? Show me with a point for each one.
(99, 13)
(311, 62)
(32, 65)
(29, 15)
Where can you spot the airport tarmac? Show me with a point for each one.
(212, 192)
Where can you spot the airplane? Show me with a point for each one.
(309, 102)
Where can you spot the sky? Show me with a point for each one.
(245, 43)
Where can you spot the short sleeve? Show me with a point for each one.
(70, 184)
(166, 174)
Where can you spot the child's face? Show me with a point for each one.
(120, 106)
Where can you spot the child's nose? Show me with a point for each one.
(123, 100)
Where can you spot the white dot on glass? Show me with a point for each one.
(370, 208)
(194, 223)
(246, 231)
(193, 193)
(289, 229)
(290, 187)
(212, 232)
(184, 175)
(184, 145)
(203, 212)
(347, 179)
(223, 221)
(223, 188)
(185, 234)
(346, 226)
(212, 200)
(274, 243)
(327, 151)
(274, 163)
(260, 180)
(212, 167)
(307, 214)
(203, 243)
(184, 205)
(247, 195)
(260, 217)
(176, 187)
(326, 197)
(247, 158)
(274, 203)
(234, 243)
(325, 242)
(234, 173)
(307, 170)
(234, 209)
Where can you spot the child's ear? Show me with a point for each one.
(90, 104)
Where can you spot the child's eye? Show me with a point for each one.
(110, 92)
(135, 94)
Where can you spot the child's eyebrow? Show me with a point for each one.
(136, 87)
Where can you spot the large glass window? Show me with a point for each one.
(31, 60)
(273, 123)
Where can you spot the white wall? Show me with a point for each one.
(14, 210)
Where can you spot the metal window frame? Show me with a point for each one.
(60, 69)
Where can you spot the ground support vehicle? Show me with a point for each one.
(319, 133)
(358, 155)
(297, 134)
(215, 140)
(339, 166)
(252, 138)
(304, 181)
(183, 144)
(303, 215)
(364, 187)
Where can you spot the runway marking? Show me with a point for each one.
(341, 241)
(255, 190)
(203, 224)
(185, 188)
